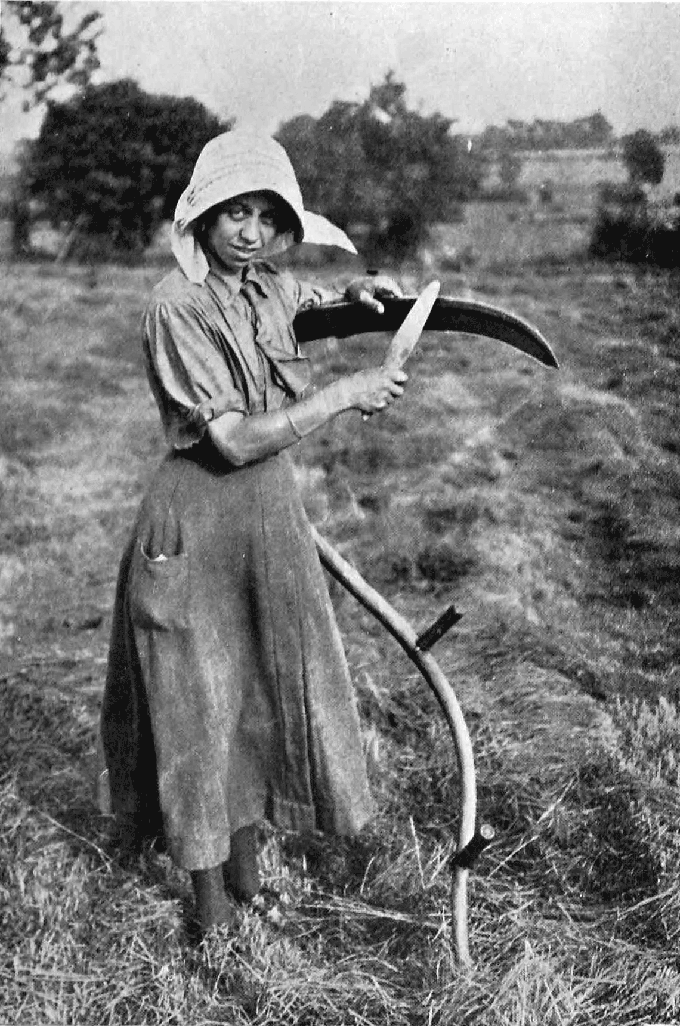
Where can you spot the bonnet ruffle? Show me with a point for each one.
(229, 165)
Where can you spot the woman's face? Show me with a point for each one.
(243, 228)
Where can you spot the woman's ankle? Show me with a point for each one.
(241, 872)
(213, 906)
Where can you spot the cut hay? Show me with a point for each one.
(545, 511)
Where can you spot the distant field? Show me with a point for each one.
(497, 234)
(573, 169)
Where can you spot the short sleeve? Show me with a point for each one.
(189, 374)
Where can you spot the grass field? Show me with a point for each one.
(544, 504)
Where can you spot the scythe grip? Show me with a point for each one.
(442, 624)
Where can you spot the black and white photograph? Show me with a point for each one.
(339, 513)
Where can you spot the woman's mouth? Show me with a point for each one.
(245, 253)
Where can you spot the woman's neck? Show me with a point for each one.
(232, 276)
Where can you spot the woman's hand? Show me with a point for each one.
(372, 390)
(366, 290)
(241, 440)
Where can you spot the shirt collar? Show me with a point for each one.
(252, 274)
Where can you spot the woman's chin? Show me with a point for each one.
(230, 264)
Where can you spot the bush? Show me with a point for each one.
(620, 234)
(643, 157)
(509, 168)
(618, 194)
(628, 227)
(113, 161)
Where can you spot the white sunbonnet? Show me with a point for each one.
(234, 163)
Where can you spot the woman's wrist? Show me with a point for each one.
(339, 397)
(309, 414)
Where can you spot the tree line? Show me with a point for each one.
(585, 133)
(110, 162)
(591, 132)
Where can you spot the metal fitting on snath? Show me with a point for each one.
(442, 624)
(467, 856)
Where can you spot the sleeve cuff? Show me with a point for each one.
(188, 426)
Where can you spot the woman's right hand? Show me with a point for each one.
(243, 439)
(373, 390)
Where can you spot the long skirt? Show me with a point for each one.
(228, 699)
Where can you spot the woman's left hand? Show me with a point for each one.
(366, 290)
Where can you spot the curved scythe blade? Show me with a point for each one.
(340, 320)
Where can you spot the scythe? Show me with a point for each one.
(341, 320)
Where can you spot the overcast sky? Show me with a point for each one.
(481, 63)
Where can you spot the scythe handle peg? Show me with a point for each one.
(442, 624)
(467, 856)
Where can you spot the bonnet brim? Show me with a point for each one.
(230, 165)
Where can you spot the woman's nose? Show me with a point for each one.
(251, 229)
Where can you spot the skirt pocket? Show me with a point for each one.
(159, 591)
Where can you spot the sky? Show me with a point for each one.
(264, 61)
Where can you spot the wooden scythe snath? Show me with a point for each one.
(401, 629)
(341, 320)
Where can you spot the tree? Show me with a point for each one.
(597, 130)
(37, 54)
(381, 164)
(42, 53)
(113, 161)
(643, 158)
(509, 168)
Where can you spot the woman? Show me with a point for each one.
(228, 700)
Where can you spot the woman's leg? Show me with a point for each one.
(241, 873)
(213, 907)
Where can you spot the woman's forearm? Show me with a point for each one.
(241, 440)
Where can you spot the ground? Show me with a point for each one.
(542, 503)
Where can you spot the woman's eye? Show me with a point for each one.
(269, 219)
(237, 212)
